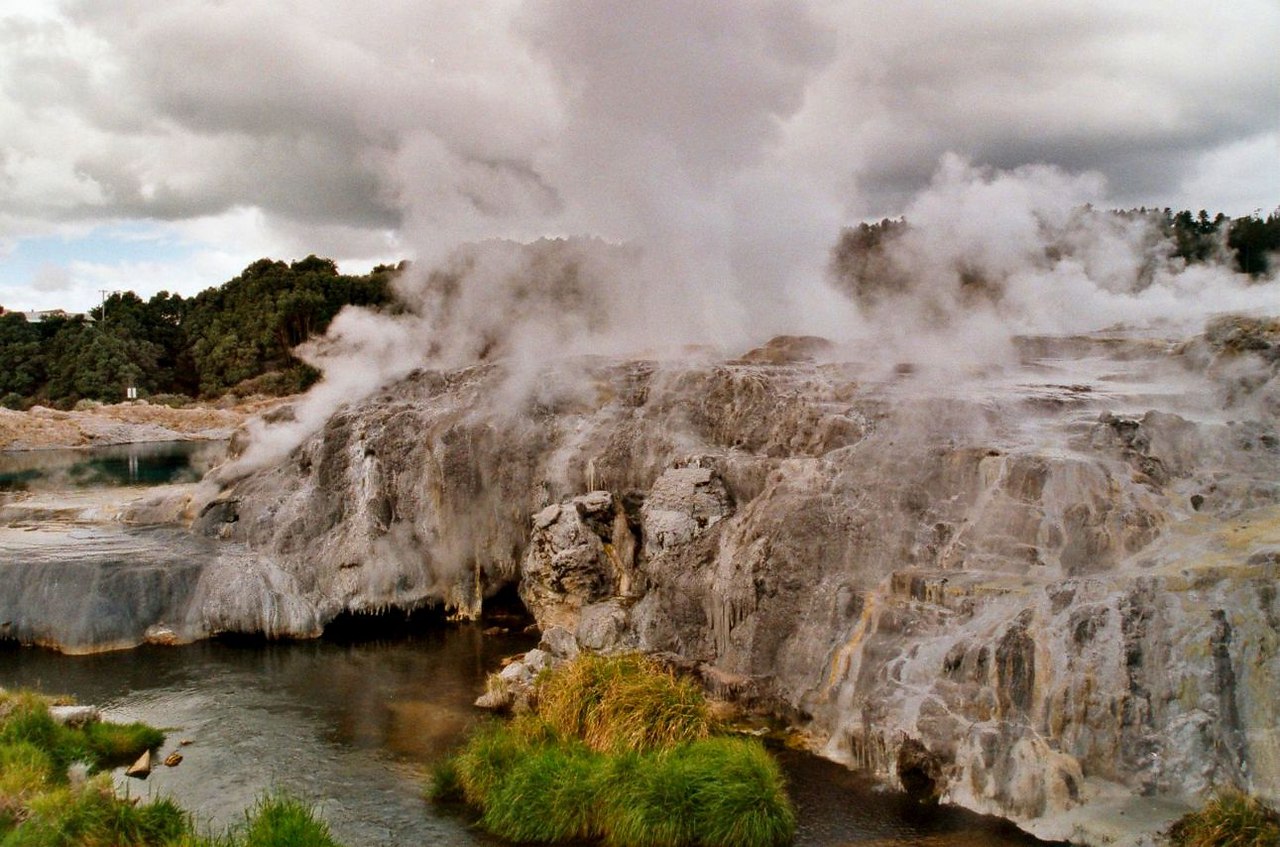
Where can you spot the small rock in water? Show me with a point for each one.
(162, 635)
(140, 769)
(173, 760)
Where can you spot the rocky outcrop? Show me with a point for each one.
(1036, 596)
(1041, 592)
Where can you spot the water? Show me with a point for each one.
(353, 727)
(159, 463)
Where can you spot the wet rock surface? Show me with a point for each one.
(1039, 593)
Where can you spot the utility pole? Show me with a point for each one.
(104, 292)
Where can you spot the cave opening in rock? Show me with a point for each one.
(505, 609)
(919, 771)
(392, 623)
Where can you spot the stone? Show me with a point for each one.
(75, 716)
(582, 555)
(173, 760)
(559, 642)
(683, 502)
(516, 673)
(537, 660)
(603, 627)
(141, 768)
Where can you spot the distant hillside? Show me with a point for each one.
(236, 337)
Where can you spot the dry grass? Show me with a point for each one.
(623, 702)
(1230, 819)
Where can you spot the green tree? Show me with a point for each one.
(22, 360)
(1255, 242)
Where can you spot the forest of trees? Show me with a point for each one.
(236, 337)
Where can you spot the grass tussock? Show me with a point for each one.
(625, 702)
(93, 816)
(111, 744)
(283, 821)
(623, 751)
(1230, 819)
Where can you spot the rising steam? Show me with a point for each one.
(984, 256)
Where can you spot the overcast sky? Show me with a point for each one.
(152, 144)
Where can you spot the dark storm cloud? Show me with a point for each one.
(1138, 91)
(466, 119)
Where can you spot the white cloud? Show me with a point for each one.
(51, 278)
(1243, 175)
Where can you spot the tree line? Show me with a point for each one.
(864, 264)
(237, 337)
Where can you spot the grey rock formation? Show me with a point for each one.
(1038, 594)
(1045, 591)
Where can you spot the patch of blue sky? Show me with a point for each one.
(116, 244)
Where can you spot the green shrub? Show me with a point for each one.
(1230, 819)
(488, 756)
(445, 786)
(173, 401)
(743, 801)
(25, 770)
(719, 792)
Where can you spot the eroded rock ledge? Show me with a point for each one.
(1048, 594)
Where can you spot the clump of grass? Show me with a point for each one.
(548, 795)
(280, 820)
(93, 815)
(445, 786)
(493, 750)
(112, 744)
(26, 771)
(1230, 819)
(718, 791)
(100, 744)
(27, 719)
(746, 801)
(619, 749)
(623, 702)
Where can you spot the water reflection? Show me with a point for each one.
(159, 463)
(354, 727)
